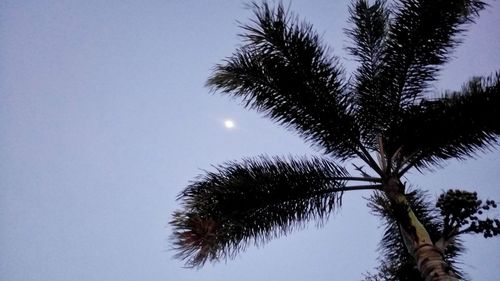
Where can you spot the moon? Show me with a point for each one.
(229, 124)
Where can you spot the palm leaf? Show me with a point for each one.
(253, 201)
(284, 71)
(422, 35)
(419, 40)
(368, 35)
(457, 125)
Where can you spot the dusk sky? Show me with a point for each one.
(104, 119)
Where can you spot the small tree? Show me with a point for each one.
(380, 115)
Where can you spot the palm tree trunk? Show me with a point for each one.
(429, 258)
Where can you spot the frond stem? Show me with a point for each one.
(362, 187)
(368, 179)
(410, 164)
(405, 169)
(382, 156)
(335, 189)
(348, 188)
(365, 156)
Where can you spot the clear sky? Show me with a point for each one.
(104, 119)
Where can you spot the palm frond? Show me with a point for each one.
(396, 262)
(422, 35)
(457, 125)
(368, 35)
(253, 201)
(284, 71)
(419, 40)
(370, 23)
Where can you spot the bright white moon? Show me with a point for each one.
(229, 124)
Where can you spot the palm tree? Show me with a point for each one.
(381, 115)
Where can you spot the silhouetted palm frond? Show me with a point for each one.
(253, 201)
(402, 52)
(422, 35)
(368, 36)
(284, 71)
(457, 125)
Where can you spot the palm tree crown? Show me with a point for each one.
(381, 114)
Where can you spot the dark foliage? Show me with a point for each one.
(400, 53)
(253, 201)
(457, 125)
(463, 212)
(284, 70)
(368, 35)
(421, 37)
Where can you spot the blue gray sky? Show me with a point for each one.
(104, 119)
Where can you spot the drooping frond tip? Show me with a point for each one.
(252, 202)
(194, 237)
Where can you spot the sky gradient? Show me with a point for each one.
(104, 119)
